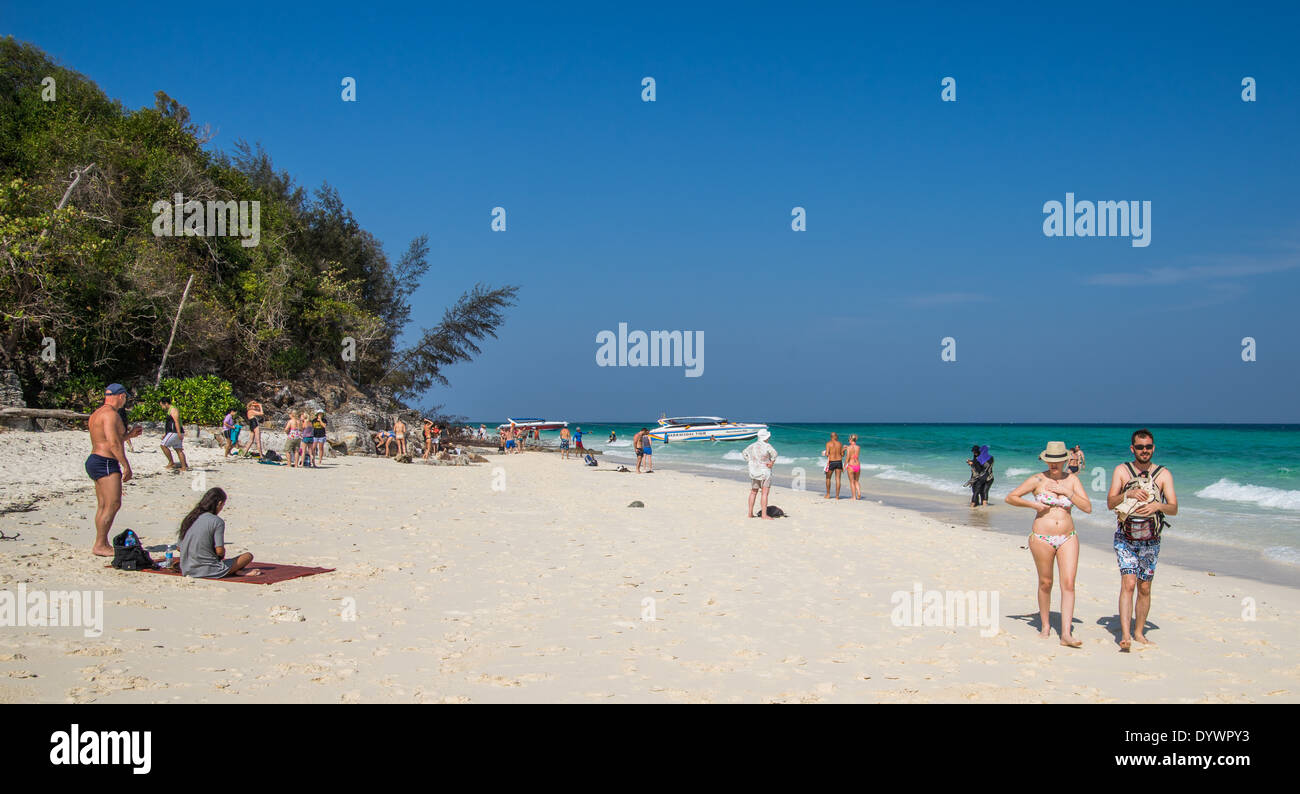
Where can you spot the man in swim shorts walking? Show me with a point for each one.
(173, 435)
(565, 435)
(1137, 536)
(107, 465)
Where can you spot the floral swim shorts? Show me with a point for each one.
(1137, 557)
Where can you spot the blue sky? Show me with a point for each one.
(924, 217)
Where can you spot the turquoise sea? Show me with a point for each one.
(1238, 485)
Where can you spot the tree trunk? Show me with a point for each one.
(158, 380)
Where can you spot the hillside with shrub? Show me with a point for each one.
(89, 292)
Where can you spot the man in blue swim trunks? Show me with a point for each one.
(1137, 536)
(107, 465)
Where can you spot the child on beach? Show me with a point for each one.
(202, 539)
(228, 430)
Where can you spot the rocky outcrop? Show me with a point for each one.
(11, 396)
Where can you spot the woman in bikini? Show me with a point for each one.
(254, 413)
(1055, 492)
(854, 466)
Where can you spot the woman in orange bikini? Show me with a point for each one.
(1055, 492)
(854, 466)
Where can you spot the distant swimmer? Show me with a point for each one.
(613, 437)
(851, 454)
(107, 465)
(1052, 537)
(834, 463)
(173, 435)
(1076, 459)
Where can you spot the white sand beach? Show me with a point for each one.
(530, 579)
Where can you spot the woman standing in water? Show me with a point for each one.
(1052, 537)
(851, 462)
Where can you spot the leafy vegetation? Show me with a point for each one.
(80, 263)
(203, 399)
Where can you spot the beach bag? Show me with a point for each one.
(590, 461)
(128, 554)
(272, 456)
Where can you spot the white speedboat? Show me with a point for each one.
(532, 424)
(703, 428)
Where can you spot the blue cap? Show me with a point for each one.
(115, 389)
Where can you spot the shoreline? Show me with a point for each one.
(1193, 555)
(529, 578)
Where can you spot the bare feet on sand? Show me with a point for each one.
(1071, 642)
(248, 572)
(102, 551)
(1145, 642)
(1124, 645)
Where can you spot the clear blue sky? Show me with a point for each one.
(924, 217)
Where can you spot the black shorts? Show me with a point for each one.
(253, 422)
(836, 465)
(98, 466)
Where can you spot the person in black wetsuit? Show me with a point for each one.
(976, 471)
(987, 481)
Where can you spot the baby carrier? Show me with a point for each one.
(1144, 528)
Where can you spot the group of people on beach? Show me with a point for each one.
(200, 537)
(1141, 494)
(306, 444)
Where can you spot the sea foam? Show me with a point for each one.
(1229, 491)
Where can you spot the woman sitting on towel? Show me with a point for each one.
(203, 542)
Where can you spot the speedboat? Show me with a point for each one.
(703, 428)
(532, 424)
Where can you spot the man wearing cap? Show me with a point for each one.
(760, 456)
(107, 465)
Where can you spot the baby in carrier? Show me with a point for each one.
(1139, 490)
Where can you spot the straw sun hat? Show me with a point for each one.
(1055, 452)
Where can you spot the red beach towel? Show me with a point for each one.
(271, 573)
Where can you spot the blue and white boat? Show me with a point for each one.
(703, 428)
(532, 423)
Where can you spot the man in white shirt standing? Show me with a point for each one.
(760, 456)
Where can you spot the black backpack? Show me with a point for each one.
(133, 557)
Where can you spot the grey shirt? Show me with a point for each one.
(199, 548)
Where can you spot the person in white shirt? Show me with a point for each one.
(760, 456)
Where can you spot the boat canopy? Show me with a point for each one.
(694, 420)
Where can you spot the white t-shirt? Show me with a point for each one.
(757, 455)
